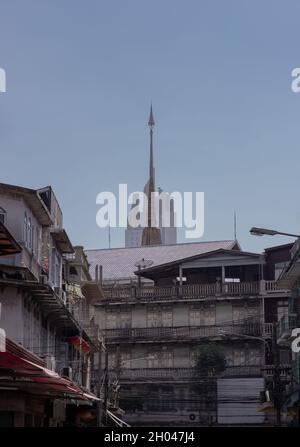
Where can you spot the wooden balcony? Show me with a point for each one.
(190, 375)
(248, 327)
(183, 374)
(190, 292)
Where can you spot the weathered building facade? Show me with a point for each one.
(190, 296)
(46, 360)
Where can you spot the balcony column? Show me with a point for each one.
(180, 275)
(222, 278)
(223, 274)
(262, 287)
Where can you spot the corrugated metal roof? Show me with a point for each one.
(119, 263)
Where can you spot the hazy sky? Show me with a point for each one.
(80, 78)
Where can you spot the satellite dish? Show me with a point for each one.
(143, 263)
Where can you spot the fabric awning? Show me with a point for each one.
(17, 371)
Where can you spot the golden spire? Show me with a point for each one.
(151, 235)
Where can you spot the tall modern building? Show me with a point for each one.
(150, 235)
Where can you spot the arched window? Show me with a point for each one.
(2, 215)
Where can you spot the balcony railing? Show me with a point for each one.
(191, 291)
(284, 371)
(181, 333)
(182, 374)
(190, 374)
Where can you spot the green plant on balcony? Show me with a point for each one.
(210, 361)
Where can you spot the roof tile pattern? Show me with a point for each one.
(119, 263)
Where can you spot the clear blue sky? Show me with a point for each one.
(80, 78)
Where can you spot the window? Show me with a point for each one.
(2, 215)
(167, 318)
(195, 317)
(167, 359)
(157, 317)
(111, 321)
(153, 318)
(193, 358)
(152, 360)
(210, 316)
(125, 320)
(253, 311)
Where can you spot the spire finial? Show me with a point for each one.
(151, 121)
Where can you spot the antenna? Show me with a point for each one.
(234, 225)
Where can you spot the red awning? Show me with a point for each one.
(26, 372)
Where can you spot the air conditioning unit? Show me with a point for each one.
(50, 362)
(67, 372)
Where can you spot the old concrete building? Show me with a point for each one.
(46, 360)
(157, 318)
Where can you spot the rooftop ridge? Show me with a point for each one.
(163, 246)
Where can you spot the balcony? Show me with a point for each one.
(189, 374)
(190, 292)
(183, 374)
(243, 328)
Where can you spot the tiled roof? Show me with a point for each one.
(119, 263)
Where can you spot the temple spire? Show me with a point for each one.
(151, 234)
(151, 124)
